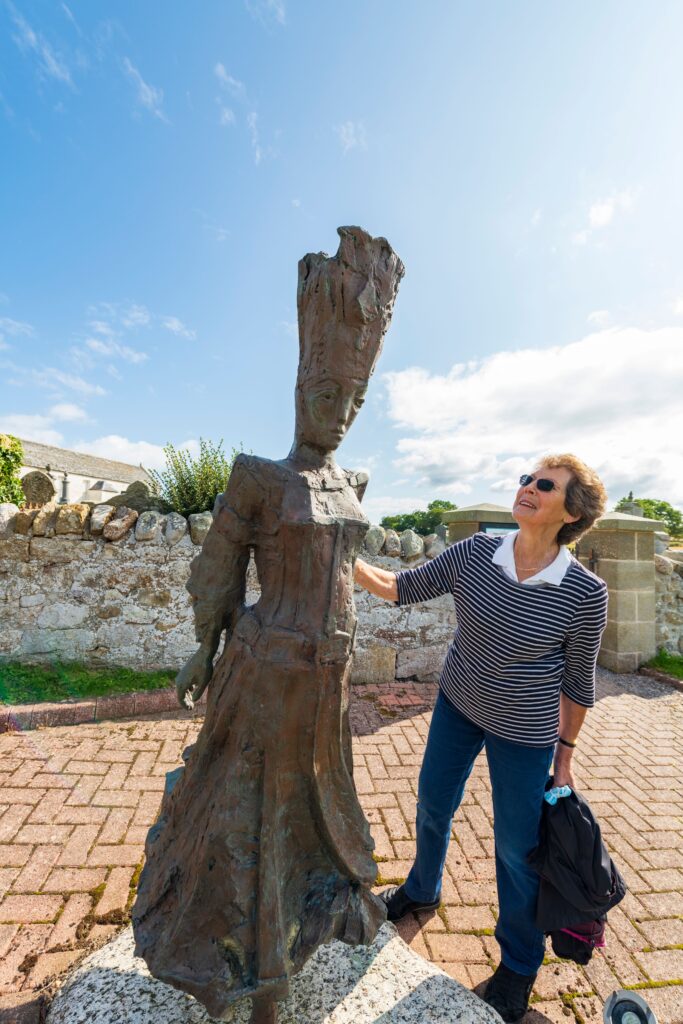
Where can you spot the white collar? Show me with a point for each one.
(504, 555)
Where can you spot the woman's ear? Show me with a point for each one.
(572, 519)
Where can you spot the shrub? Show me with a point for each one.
(11, 458)
(192, 484)
(420, 521)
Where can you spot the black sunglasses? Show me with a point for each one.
(542, 483)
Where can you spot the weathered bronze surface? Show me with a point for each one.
(261, 852)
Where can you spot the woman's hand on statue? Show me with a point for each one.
(193, 678)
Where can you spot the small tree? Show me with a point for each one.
(11, 459)
(420, 521)
(192, 484)
(655, 508)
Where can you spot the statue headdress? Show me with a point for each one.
(345, 303)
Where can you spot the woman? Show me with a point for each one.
(518, 679)
(262, 852)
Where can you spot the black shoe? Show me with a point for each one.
(399, 904)
(508, 993)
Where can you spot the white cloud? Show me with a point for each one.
(177, 327)
(136, 316)
(112, 348)
(351, 135)
(30, 428)
(613, 398)
(296, 203)
(233, 85)
(290, 327)
(252, 124)
(148, 95)
(678, 307)
(49, 63)
(267, 11)
(602, 213)
(67, 412)
(113, 446)
(13, 329)
(599, 317)
(53, 379)
(226, 116)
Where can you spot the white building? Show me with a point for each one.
(58, 474)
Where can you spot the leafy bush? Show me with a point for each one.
(11, 458)
(420, 521)
(655, 508)
(192, 484)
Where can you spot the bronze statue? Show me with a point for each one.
(261, 852)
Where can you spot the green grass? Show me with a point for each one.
(31, 684)
(672, 664)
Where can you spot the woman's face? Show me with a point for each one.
(327, 409)
(544, 508)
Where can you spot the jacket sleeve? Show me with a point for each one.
(434, 578)
(581, 648)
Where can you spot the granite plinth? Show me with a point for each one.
(386, 982)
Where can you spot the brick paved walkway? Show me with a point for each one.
(76, 803)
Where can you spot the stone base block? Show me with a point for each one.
(374, 665)
(341, 984)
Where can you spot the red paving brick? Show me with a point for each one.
(76, 803)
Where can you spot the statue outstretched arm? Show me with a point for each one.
(217, 581)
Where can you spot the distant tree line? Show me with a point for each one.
(421, 521)
(656, 508)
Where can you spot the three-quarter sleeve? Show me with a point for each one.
(582, 646)
(432, 579)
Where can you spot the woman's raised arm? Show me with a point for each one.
(377, 581)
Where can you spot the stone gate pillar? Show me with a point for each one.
(483, 518)
(620, 549)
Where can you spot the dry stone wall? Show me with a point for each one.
(107, 587)
(669, 601)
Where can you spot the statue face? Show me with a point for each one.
(327, 407)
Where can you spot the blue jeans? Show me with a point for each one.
(518, 777)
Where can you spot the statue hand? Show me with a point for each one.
(193, 678)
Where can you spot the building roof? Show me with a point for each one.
(60, 460)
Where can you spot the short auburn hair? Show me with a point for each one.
(586, 496)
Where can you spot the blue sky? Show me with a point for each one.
(164, 166)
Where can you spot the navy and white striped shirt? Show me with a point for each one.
(515, 647)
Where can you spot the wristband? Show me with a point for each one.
(565, 743)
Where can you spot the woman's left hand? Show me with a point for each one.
(562, 768)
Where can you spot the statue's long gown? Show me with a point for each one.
(261, 852)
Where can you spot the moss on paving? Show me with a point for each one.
(33, 684)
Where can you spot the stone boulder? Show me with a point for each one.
(392, 544)
(138, 497)
(38, 488)
(664, 565)
(200, 524)
(8, 514)
(412, 545)
(434, 545)
(120, 524)
(71, 518)
(101, 515)
(24, 520)
(374, 540)
(149, 526)
(44, 522)
(175, 529)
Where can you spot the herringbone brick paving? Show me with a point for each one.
(76, 803)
